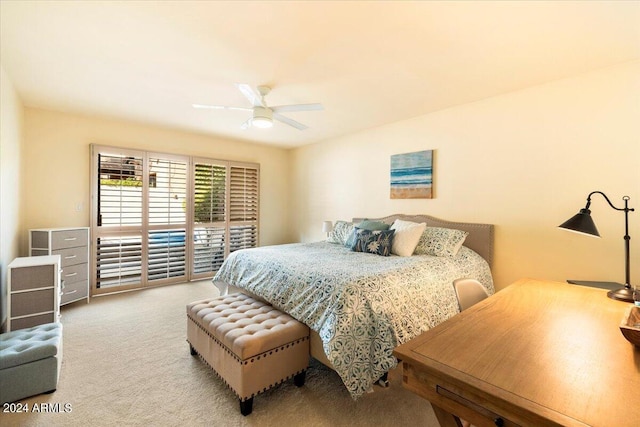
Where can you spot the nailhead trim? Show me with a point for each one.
(252, 359)
(245, 398)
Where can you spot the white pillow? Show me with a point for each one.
(406, 236)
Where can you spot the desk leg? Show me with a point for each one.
(445, 418)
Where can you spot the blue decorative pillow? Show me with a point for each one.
(377, 242)
(368, 224)
(365, 225)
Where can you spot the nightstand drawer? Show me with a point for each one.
(39, 276)
(72, 256)
(30, 321)
(26, 303)
(68, 239)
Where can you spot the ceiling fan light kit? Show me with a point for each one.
(263, 115)
(262, 118)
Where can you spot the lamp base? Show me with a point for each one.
(623, 294)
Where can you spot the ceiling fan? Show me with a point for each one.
(263, 115)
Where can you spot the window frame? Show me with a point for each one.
(190, 225)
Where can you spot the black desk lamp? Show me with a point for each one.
(582, 223)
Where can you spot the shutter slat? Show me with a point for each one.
(120, 181)
(208, 249)
(119, 261)
(243, 237)
(167, 191)
(167, 254)
(243, 194)
(210, 193)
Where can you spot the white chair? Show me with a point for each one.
(469, 292)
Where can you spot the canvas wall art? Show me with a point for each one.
(412, 175)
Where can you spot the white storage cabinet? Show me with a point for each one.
(34, 291)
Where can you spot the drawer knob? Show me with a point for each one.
(499, 422)
(71, 239)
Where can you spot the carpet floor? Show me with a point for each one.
(126, 362)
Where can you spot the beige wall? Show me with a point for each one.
(10, 184)
(56, 165)
(524, 161)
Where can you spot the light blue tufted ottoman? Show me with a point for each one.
(30, 361)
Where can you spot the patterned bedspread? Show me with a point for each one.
(361, 305)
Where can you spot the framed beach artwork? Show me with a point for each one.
(412, 175)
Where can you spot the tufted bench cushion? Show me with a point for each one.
(30, 361)
(251, 345)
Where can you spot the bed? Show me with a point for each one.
(360, 306)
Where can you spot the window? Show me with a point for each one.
(160, 218)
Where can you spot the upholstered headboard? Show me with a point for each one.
(480, 237)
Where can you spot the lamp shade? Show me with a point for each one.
(581, 223)
(327, 226)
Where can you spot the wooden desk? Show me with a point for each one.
(537, 353)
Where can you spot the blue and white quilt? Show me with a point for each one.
(361, 305)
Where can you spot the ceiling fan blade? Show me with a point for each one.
(289, 121)
(297, 107)
(220, 107)
(246, 125)
(250, 93)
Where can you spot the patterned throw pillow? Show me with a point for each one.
(373, 241)
(340, 232)
(440, 241)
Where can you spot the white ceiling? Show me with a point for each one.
(368, 63)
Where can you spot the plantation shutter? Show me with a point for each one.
(167, 218)
(243, 206)
(120, 190)
(209, 217)
(118, 248)
(161, 218)
(119, 260)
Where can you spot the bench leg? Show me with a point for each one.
(192, 350)
(246, 406)
(298, 380)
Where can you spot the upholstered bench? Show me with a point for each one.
(30, 361)
(248, 343)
